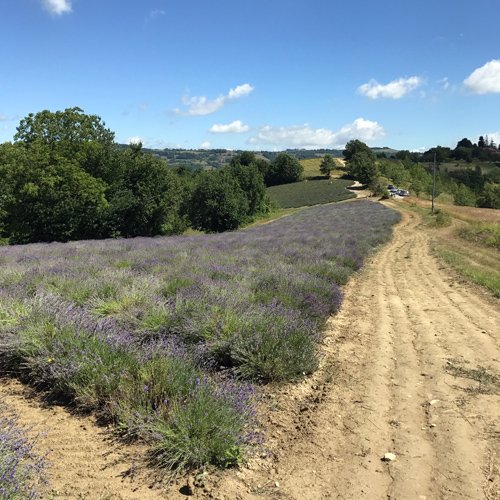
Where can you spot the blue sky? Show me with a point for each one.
(259, 74)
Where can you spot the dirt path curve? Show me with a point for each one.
(411, 367)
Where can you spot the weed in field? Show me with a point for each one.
(489, 382)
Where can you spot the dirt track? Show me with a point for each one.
(398, 376)
(410, 366)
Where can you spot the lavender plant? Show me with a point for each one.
(159, 334)
(21, 469)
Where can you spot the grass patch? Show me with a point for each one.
(311, 167)
(483, 233)
(471, 270)
(307, 193)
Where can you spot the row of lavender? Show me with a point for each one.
(164, 335)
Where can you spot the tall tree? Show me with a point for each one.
(217, 203)
(357, 146)
(327, 165)
(362, 167)
(284, 169)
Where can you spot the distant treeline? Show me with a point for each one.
(64, 178)
(456, 173)
(194, 159)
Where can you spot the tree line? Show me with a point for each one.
(468, 186)
(64, 178)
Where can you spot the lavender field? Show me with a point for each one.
(165, 337)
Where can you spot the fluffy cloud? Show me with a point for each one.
(135, 140)
(392, 90)
(236, 127)
(201, 105)
(57, 7)
(494, 136)
(305, 137)
(205, 145)
(486, 79)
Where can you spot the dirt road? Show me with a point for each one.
(411, 368)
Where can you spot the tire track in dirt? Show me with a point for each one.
(404, 348)
(83, 460)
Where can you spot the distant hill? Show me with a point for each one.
(195, 159)
(385, 150)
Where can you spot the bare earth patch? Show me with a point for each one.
(84, 460)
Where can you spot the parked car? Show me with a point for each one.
(403, 192)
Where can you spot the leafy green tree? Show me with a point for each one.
(327, 165)
(379, 187)
(217, 203)
(421, 179)
(82, 139)
(284, 169)
(464, 196)
(58, 201)
(396, 172)
(490, 197)
(245, 158)
(356, 146)
(146, 198)
(362, 167)
(251, 182)
(464, 143)
(63, 129)
(442, 154)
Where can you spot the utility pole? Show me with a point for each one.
(433, 182)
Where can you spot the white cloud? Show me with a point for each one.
(486, 79)
(57, 7)
(392, 90)
(135, 140)
(444, 82)
(201, 105)
(4, 118)
(240, 91)
(155, 13)
(236, 127)
(205, 145)
(305, 137)
(495, 136)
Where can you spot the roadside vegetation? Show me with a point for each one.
(163, 337)
(467, 240)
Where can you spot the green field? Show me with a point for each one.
(311, 167)
(312, 192)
